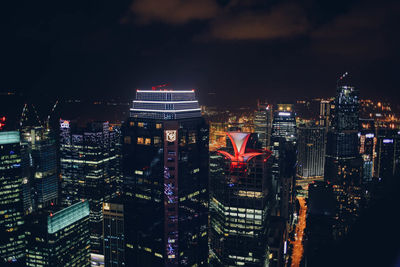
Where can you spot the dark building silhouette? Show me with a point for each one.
(165, 172)
(387, 162)
(113, 233)
(343, 163)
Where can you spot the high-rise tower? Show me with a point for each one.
(44, 177)
(239, 202)
(89, 160)
(343, 162)
(165, 173)
(14, 174)
(311, 151)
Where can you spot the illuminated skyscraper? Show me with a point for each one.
(263, 124)
(239, 202)
(343, 162)
(325, 114)
(165, 172)
(89, 159)
(59, 237)
(387, 154)
(13, 174)
(367, 146)
(311, 151)
(284, 123)
(44, 178)
(283, 147)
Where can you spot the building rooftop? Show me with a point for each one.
(165, 104)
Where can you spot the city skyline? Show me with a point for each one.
(200, 133)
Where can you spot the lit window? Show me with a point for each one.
(147, 141)
(127, 140)
(157, 140)
(132, 123)
(140, 124)
(140, 140)
(192, 138)
(158, 125)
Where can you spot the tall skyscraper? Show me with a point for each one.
(367, 146)
(59, 237)
(89, 159)
(165, 168)
(325, 114)
(263, 123)
(387, 154)
(311, 151)
(283, 147)
(239, 202)
(343, 162)
(44, 177)
(14, 173)
(284, 123)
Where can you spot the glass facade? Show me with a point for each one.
(13, 174)
(311, 151)
(44, 177)
(343, 162)
(387, 154)
(284, 123)
(59, 238)
(89, 159)
(239, 203)
(263, 124)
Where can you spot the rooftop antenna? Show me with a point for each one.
(341, 78)
(51, 112)
(158, 86)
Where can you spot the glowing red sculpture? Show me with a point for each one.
(239, 142)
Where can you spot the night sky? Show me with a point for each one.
(240, 50)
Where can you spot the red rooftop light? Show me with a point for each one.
(239, 142)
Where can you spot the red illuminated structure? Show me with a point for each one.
(240, 192)
(2, 122)
(242, 153)
(159, 86)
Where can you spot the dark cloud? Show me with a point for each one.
(286, 20)
(172, 11)
(362, 32)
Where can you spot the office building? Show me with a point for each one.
(239, 202)
(325, 113)
(44, 177)
(283, 147)
(311, 151)
(263, 123)
(284, 123)
(113, 233)
(59, 237)
(387, 154)
(367, 145)
(14, 173)
(343, 163)
(89, 160)
(165, 172)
